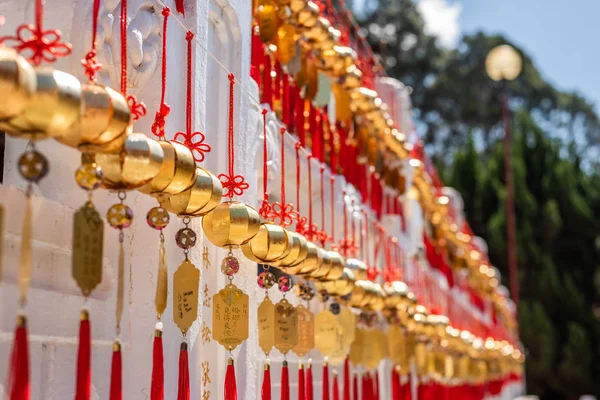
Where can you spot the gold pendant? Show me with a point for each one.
(326, 329)
(186, 284)
(347, 321)
(306, 331)
(356, 349)
(341, 349)
(88, 237)
(396, 344)
(266, 325)
(267, 17)
(286, 326)
(286, 44)
(230, 316)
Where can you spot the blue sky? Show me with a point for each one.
(561, 36)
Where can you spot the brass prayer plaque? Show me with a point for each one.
(306, 331)
(286, 326)
(266, 325)
(347, 321)
(356, 348)
(186, 284)
(326, 330)
(88, 237)
(396, 344)
(341, 349)
(230, 316)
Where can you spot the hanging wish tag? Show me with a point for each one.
(266, 325)
(286, 326)
(88, 237)
(341, 349)
(326, 330)
(356, 349)
(347, 321)
(306, 331)
(396, 344)
(186, 283)
(230, 316)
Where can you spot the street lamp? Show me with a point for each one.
(504, 64)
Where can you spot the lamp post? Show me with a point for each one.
(503, 64)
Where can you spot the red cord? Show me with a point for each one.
(192, 140)
(43, 45)
(233, 184)
(158, 127)
(265, 208)
(297, 147)
(283, 213)
(90, 62)
(138, 109)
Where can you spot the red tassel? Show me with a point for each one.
(408, 389)
(355, 387)
(309, 383)
(157, 386)
(230, 384)
(183, 387)
(325, 381)
(267, 88)
(256, 57)
(266, 385)
(336, 387)
(365, 387)
(395, 384)
(285, 381)
(116, 374)
(301, 383)
(83, 383)
(376, 385)
(18, 377)
(347, 379)
(180, 7)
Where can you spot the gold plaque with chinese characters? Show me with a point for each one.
(186, 284)
(286, 326)
(356, 348)
(230, 316)
(88, 237)
(326, 330)
(347, 321)
(266, 325)
(396, 344)
(306, 331)
(341, 349)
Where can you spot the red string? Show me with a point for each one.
(301, 383)
(192, 140)
(233, 184)
(157, 385)
(116, 374)
(312, 230)
(83, 383)
(283, 213)
(158, 127)
(265, 208)
(18, 384)
(183, 386)
(322, 234)
(297, 147)
(90, 62)
(138, 110)
(266, 385)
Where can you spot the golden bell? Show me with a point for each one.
(104, 117)
(270, 243)
(177, 172)
(197, 200)
(352, 78)
(291, 263)
(339, 287)
(337, 266)
(308, 16)
(396, 294)
(363, 100)
(358, 268)
(297, 5)
(319, 32)
(311, 262)
(324, 266)
(378, 301)
(51, 110)
(136, 164)
(231, 224)
(17, 82)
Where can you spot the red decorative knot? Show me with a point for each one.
(138, 110)
(43, 45)
(166, 11)
(233, 185)
(195, 142)
(160, 119)
(283, 215)
(301, 224)
(189, 35)
(91, 65)
(372, 273)
(323, 237)
(312, 232)
(392, 273)
(348, 248)
(265, 207)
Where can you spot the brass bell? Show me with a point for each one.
(359, 293)
(337, 266)
(352, 78)
(358, 268)
(311, 262)
(177, 172)
(342, 286)
(291, 263)
(363, 100)
(270, 243)
(297, 5)
(396, 294)
(17, 82)
(231, 224)
(103, 124)
(52, 108)
(324, 266)
(308, 16)
(136, 164)
(202, 197)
